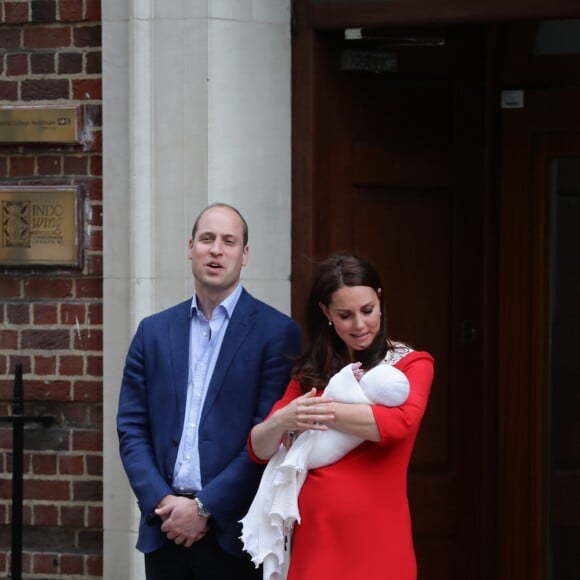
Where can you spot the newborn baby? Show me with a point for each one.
(275, 507)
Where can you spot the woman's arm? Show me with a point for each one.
(307, 411)
(355, 419)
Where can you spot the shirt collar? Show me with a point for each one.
(228, 303)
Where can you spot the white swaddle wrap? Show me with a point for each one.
(275, 507)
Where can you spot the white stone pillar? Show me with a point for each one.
(196, 110)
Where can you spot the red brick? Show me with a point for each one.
(94, 264)
(70, 63)
(43, 11)
(44, 563)
(44, 515)
(89, 288)
(77, 165)
(49, 165)
(94, 464)
(17, 313)
(21, 166)
(70, 10)
(87, 89)
(45, 313)
(77, 414)
(10, 38)
(48, 288)
(42, 64)
(96, 165)
(47, 37)
(72, 564)
(48, 390)
(47, 489)
(94, 63)
(70, 365)
(72, 516)
(93, 10)
(16, 12)
(43, 464)
(45, 365)
(88, 490)
(94, 517)
(90, 339)
(71, 465)
(88, 391)
(8, 339)
(72, 313)
(45, 339)
(95, 415)
(87, 440)
(94, 366)
(9, 287)
(16, 64)
(94, 188)
(8, 90)
(95, 240)
(86, 36)
(45, 89)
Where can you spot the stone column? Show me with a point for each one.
(196, 110)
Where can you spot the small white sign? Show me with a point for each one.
(512, 99)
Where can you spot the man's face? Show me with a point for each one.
(217, 252)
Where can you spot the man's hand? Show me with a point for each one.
(181, 521)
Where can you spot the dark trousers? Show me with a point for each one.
(205, 560)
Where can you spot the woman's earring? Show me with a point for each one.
(329, 322)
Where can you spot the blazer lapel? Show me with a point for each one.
(238, 328)
(179, 352)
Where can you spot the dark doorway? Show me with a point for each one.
(406, 151)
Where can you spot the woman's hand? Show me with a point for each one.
(305, 412)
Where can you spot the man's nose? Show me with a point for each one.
(216, 247)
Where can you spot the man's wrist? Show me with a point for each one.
(201, 510)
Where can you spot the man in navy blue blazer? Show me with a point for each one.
(198, 376)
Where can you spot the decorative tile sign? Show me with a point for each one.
(41, 226)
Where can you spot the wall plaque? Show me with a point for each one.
(41, 226)
(39, 124)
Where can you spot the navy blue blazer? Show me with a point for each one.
(251, 374)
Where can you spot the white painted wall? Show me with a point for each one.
(196, 110)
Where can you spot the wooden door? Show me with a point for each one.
(396, 143)
(539, 455)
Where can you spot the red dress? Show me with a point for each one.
(355, 520)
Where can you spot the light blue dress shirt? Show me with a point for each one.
(205, 341)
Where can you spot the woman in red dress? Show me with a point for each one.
(355, 520)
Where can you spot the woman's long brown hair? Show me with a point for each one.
(326, 353)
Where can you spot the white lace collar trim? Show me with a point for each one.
(395, 354)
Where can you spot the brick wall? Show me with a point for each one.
(51, 319)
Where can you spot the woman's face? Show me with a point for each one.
(355, 314)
